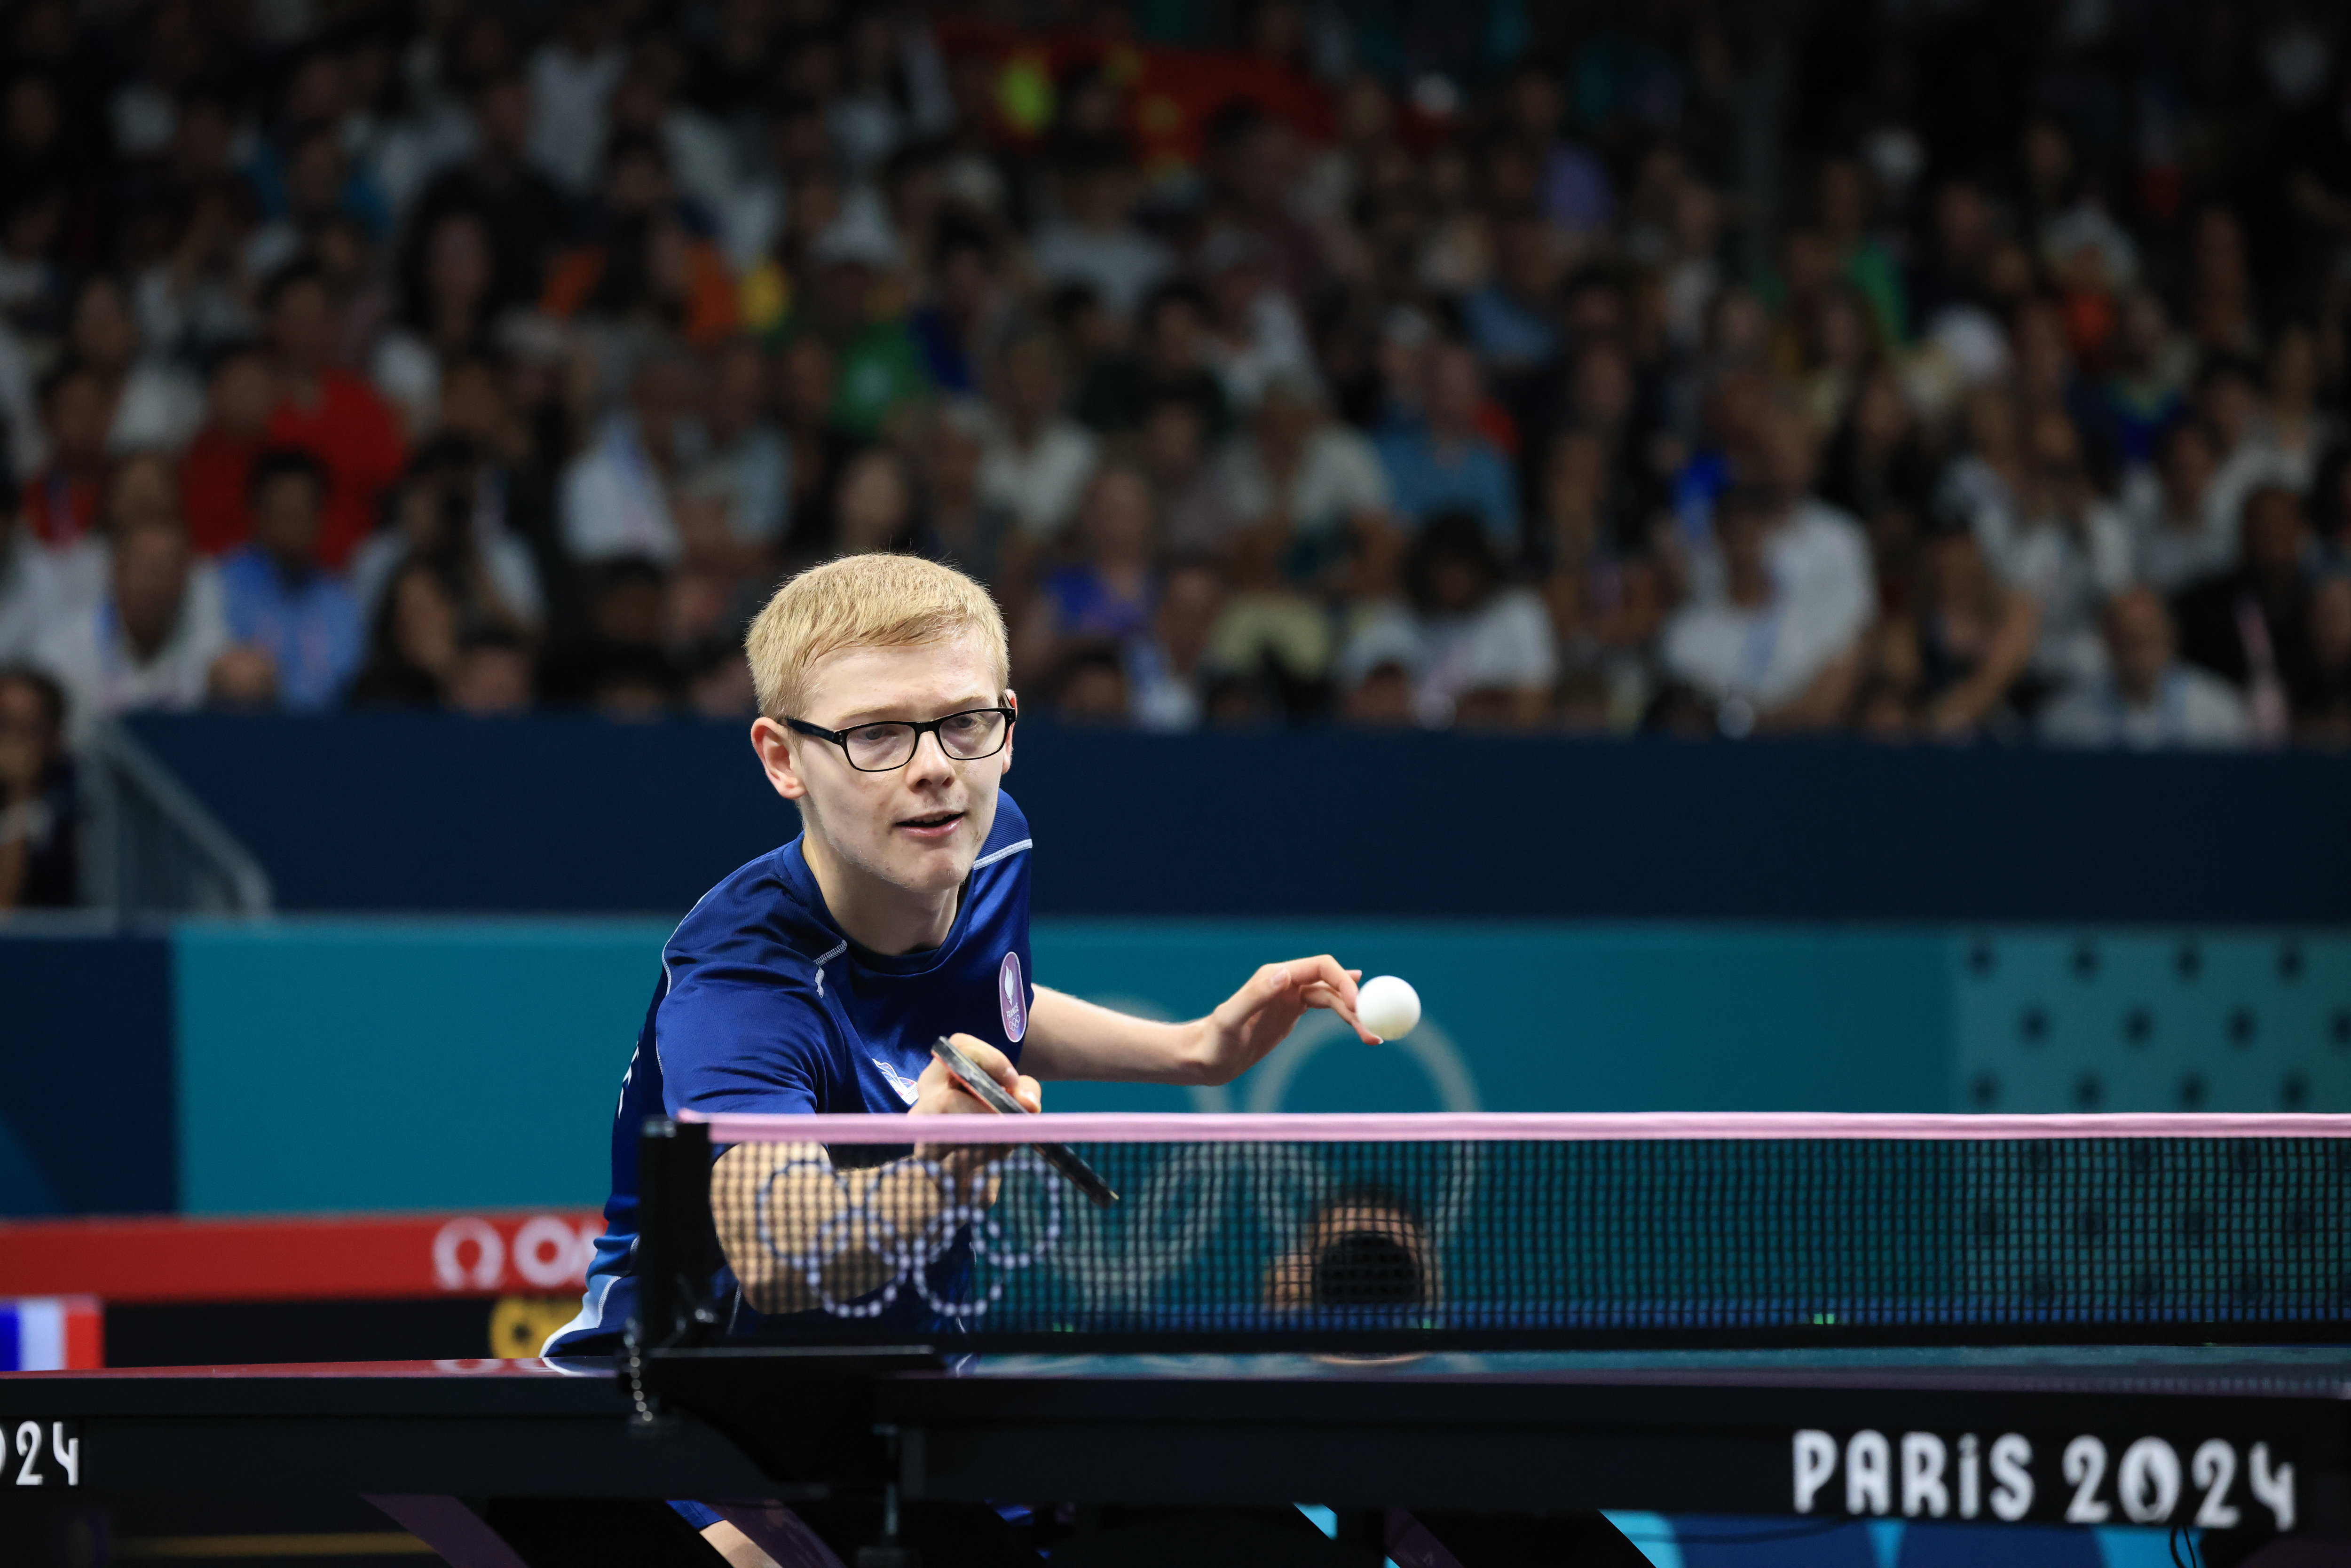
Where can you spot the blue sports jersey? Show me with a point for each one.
(765, 1006)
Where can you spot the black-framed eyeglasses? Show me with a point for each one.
(964, 736)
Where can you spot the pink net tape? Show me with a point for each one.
(1621, 1126)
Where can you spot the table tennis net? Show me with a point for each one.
(1537, 1241)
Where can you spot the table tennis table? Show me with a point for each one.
(2242, 1444)
(1416, 1324)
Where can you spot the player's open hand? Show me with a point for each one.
(1260, 1015)
(937, 1092)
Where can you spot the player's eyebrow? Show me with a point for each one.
(898, 713)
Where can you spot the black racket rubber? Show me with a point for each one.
(991, 1095)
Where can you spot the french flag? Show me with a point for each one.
(51, 1333)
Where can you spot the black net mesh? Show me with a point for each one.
(1541, 1242)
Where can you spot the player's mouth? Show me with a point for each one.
(932, 828)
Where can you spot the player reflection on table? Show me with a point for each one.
(1363, 1247)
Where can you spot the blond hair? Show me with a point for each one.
(877, 600)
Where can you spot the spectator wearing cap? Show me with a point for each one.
(37, 841)
(277, 597)
(2146, 699)
(325, 409)
(1767, 657)
(881, 365)
(1444, 463)
(150, 640)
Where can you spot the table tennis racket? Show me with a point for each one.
(990, 1093)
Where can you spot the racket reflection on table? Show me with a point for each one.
(991, 1095)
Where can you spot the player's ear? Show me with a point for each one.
(1013, 701)
(774, 745)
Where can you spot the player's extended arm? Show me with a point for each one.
(1071, 1039)
(776, 1205)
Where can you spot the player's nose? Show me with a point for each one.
(930, 761)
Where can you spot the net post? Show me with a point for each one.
(677, 1243)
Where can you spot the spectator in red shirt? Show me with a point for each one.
(61, 501)
(215, 475)
(329, 413)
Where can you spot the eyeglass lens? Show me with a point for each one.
(966, 737)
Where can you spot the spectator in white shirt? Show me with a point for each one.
(616, 493)
(2177, 534)
(27, 589)
(155, 403)
(1167, 666)
(1762, 650)
(2146, 698)
(748, 466)
(2066, 544)
(1467, 639)
(572, 75)
(1816, 556)
(1093, 242)
(2228, 404)
(1303, 476)
(150, 642)
(1258, 335)
(1039, 459)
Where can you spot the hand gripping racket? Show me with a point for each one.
(990, 1093)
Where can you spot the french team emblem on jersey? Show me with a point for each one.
(1011, 998)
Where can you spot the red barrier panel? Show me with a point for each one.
(305, 1258)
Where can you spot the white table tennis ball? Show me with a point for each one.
(1388, 1007)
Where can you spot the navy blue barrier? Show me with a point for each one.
(575, 813)
(89, 1120)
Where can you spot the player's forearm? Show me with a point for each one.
(1071, 1039)
(776, 1205)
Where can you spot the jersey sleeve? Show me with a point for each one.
(753, 1044)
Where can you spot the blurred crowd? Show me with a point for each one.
(1965, 371)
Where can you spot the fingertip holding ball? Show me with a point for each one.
(1388, 1007)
